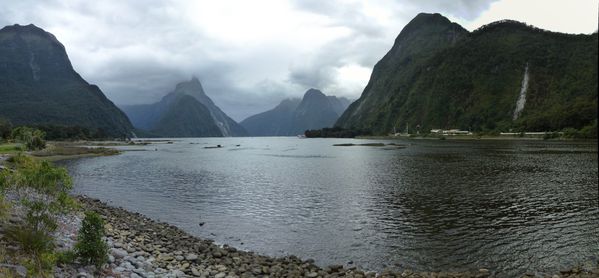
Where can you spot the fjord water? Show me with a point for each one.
(510, 206)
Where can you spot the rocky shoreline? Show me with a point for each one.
(142, 247)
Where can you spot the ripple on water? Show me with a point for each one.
(512, 207)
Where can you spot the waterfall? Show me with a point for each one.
(35, 68)
(522, 98)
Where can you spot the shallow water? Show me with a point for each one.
(509, 206)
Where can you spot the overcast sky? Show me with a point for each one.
(249, 55)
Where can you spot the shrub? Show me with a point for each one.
(589, 131)
(5, 128)
(90, 247)
(32, 241)
(66, 257)
(41, 266)
(4, 208)
(43, 191)
(41, 176)
(570, 133)
(32, 138)
(550, 135)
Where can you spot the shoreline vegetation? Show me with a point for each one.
(566, 134)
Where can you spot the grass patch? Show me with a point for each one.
(57, 150)
(10, 148)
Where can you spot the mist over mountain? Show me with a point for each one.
(185, 112)
(294, 116)
(38, 86)
(502, 76)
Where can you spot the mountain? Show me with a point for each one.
(273, 122)
(38, 86)
(293, 116)
(505, 75)
(189, 118)
(185, 112)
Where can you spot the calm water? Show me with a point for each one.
(510, 206)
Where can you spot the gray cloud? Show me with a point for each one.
(137, 51)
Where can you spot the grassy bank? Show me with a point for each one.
(61, 150)
(54, 151)
(10, 148)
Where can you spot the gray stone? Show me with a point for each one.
(336, 267)
(118, 253)
(191, 257)
(140, 272)
(178, 273)
(21, 270)
(221, 268)
(195, 272)
(220, 275)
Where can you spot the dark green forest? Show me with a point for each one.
(472, 81)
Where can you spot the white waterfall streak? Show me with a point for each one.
(522, 98)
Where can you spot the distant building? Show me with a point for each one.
(450, 132)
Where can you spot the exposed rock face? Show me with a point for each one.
(38, 85)
(294, 116)
(439, 75)
(185, 112)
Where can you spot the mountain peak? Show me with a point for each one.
(29, 29)
(23, 28)
(191, 87)
(311, 93)
(426, 21)
(430, 16)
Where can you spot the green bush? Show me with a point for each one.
(41, 266)
(90, 247)
(589, 131)
(4, 208)
(33, 242)
(31, 137)
(570, 133)
(41, 176)
(66, 257)
(50, 186)
(44, 195)
(5, 128)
